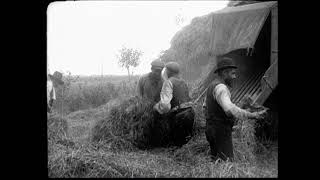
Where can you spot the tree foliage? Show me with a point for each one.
(129, 57)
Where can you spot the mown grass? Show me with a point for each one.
(73, 158)
(96, 160)
(72, 153)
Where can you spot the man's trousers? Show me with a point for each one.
(219, 136)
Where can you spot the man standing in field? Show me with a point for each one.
(52, 80)
(221, 112)
(174, 105)
(149, 85)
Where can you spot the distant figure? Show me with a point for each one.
(175, 105)
(150, 84)
(221, 112)
(52, 80)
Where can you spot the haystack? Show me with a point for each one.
(190, 48)
(132, 122)
(57, 127)
(57, 131)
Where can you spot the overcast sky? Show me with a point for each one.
(83, 37)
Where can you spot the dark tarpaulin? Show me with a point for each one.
(238, 27)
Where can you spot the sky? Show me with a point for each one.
(83, 37)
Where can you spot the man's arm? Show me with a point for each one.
(164, 106)
(53, 93)
(222, 95)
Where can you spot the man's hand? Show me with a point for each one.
(155, 107)
(260, 114)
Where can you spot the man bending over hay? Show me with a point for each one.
(174, 106)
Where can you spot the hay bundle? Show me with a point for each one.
(57, 133)
(131, 122)
(199, 125)
(245, 141)
(57, 128)
(190, 152)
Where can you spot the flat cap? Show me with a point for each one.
(157, 63)
(173, 67)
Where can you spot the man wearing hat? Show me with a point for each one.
(149, 85)
(221, 112)
(175, 105)
(52, 80)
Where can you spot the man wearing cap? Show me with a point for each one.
(149, 85)
(52, 80)
(175, 105)
(221, 112)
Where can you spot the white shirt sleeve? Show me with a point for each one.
(53, 93)
(164, 106)
(223, 97)
(49, 90)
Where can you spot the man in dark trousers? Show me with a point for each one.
(175, 106)
(221, 112)
(150, 84)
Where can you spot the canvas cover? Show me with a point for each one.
(237, 27)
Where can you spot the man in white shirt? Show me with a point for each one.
(221, 112)
(52, 80)
(175, 105)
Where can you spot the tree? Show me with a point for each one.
(129, 58)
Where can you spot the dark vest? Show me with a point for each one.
(180, 92)
(214, 110)
(152, 89)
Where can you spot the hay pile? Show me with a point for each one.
(131, 124)
(57, 127)
(245, 141)
(199, 125)
(196, 150)
(57, 132)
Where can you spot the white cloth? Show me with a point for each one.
(223, 96)
(51, 94)
(164, 106)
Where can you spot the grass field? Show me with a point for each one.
(74, 155)
(85, 92)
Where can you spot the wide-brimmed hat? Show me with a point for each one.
(57, 77)
(225, 63)
(157, 64)
(173, 67)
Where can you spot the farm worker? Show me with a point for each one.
(52, 81)
(175, 105)
(221, 112)
(149, 85)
